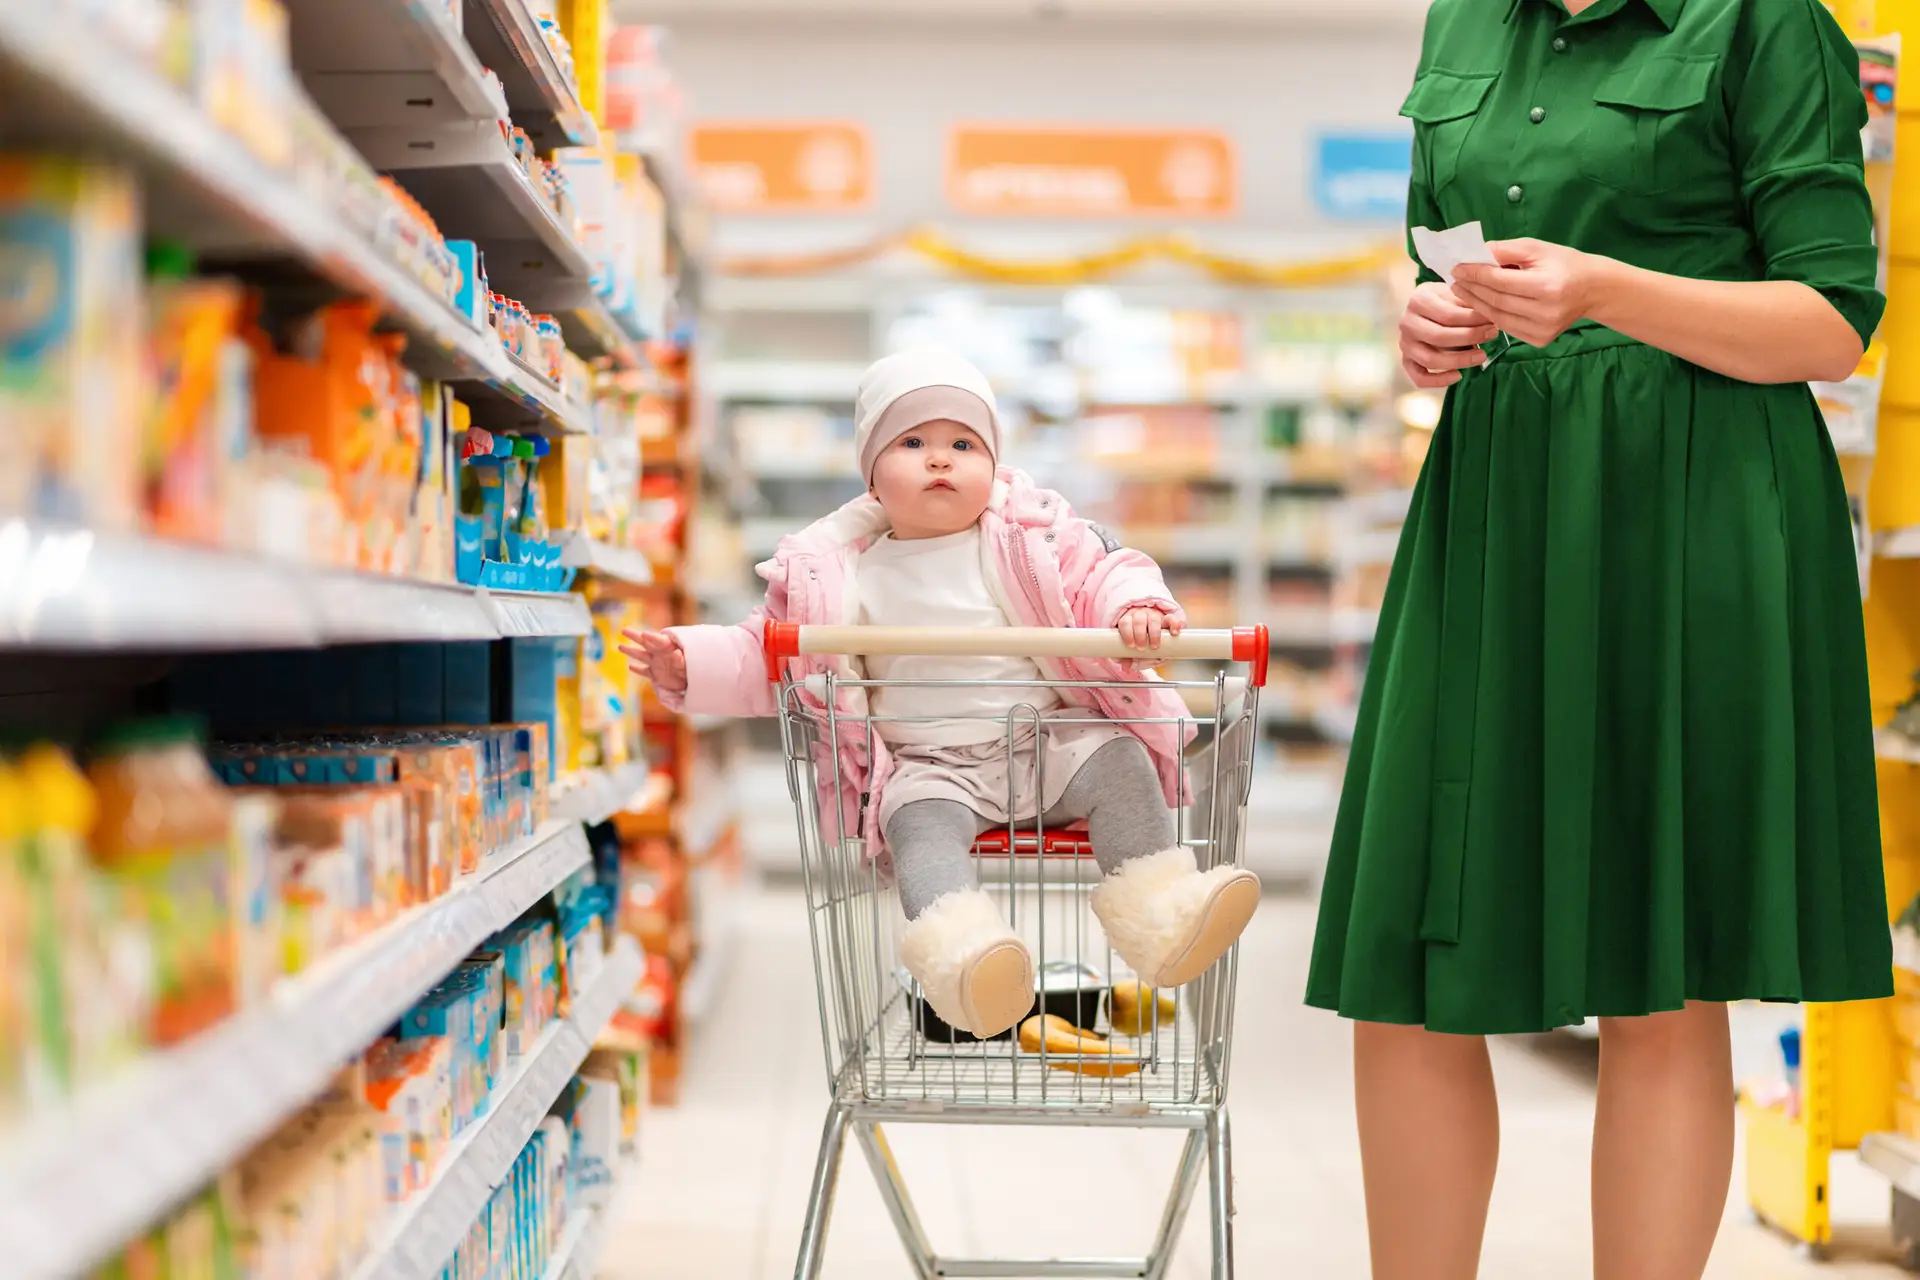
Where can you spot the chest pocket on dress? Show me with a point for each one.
(1648, 132)
(1443, 106)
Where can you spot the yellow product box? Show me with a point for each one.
(565, 477)
(569, 659)
(73, 356)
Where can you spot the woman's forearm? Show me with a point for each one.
(1757, 331)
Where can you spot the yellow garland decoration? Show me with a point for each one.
(1094, 266)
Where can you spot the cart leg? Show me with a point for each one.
(893, 1190)
(826, 1179)
(1193, 1158)
(1220, 1185)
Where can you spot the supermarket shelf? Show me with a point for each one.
(381, 62)
(81, 1181)
(1889, 744)
(578, 1255)
(785, 380)
(1898, 544)
(423, 1235)
(1894, 1157)
(70, 588)
(622, 563)
(602, 793)
(467, 178)
(591, 329)
(507, 37)
(520, 615)
(63, 85)
(1306, 627)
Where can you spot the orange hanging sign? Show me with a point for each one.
(1091, 172)
(783, 167)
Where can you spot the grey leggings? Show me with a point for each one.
(1117, 791)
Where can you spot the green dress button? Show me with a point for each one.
(1537, 114)
(1514, 194)
(1559, 44)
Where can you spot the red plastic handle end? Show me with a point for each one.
(1252, 646)
(780, 641)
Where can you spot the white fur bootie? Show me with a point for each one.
(1169, 919)
(975, 970)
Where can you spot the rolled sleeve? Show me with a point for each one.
(1796, 130)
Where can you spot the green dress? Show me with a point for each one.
(1614, 750)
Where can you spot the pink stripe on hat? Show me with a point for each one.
(917, 408)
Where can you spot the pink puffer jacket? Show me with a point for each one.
(1052, 568)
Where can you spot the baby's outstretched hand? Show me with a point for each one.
(656, 656)
(1142, 628)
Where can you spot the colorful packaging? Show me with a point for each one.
(165, 833)
(73, 386)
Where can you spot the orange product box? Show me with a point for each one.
(324, 399)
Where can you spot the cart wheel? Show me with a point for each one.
(1754, 1217)
(1812, 1252)
(1910, 1255)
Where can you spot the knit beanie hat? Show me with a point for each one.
(912, 388)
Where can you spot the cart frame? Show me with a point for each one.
(887, 1065)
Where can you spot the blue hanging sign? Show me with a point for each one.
(1362, 177)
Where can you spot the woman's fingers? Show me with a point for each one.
(1426, 379)
(1444, 307)
(1476, 282)
(1440, 359)
(1421, 329)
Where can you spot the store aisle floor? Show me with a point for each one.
(724, 1176)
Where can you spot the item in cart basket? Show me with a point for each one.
(1068, 1048)
(72, 340)
(1070, 992)
(1135, 1009)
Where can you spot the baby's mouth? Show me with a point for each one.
(943, 484)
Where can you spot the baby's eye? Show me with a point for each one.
(910, 442)
(962, 446)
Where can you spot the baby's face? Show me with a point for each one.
(933, 481)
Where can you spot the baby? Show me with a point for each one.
(943, 538)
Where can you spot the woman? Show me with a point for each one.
(1614, 756)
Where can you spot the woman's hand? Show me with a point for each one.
(656, 656)
(1440, 335)
(1142, 628)
(1537, 293)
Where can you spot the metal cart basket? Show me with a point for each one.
(890, 1059)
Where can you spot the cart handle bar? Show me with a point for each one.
(785, 640)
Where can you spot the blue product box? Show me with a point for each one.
(472, 299)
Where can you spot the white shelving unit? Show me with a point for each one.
(620, 563)
(424, 1233)
(205, 185)
(602, 793)
(84, 1179)
(421, 89)
(69, 588)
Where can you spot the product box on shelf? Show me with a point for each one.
(503, 539)
(243, 72)
(73, 386)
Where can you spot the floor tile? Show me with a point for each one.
(722, 1188)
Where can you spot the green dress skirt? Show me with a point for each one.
(1614, 750)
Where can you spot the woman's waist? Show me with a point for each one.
(1585, 338)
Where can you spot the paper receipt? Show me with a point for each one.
(1442, 251)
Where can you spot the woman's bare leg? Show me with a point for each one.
(1662, 1143)
(1429, 1142)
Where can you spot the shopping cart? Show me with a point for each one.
(889, 1057)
